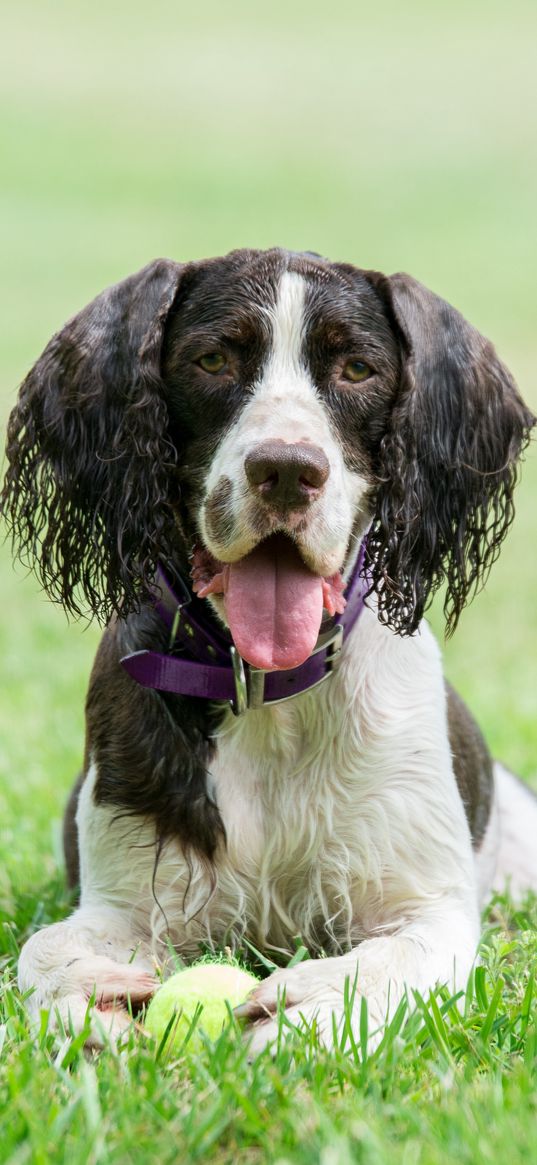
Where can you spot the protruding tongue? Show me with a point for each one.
(274, 605)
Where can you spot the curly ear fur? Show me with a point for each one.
(448, 463)
(86, 494)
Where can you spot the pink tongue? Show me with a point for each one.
(274, 605)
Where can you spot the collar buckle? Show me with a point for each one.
(250, 681)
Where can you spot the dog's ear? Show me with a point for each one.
(87, 490)
(448, 463)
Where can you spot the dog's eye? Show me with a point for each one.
(356, 370)
(213, 362)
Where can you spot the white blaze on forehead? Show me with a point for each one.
(285, 403)
(288, 325)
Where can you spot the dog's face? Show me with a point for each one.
(261, 411)
(280, 374)
(280, 379)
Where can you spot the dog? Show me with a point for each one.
(256, 471)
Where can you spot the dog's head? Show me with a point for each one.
(262, 411)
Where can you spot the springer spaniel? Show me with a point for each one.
(289, 433)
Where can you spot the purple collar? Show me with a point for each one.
(210, 667)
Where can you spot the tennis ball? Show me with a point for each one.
(203, 985)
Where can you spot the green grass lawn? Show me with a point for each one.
(397, 137)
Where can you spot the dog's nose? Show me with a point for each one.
(287, 475)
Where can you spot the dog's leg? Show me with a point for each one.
(102, 952)
(92, 955)
(436, 948)
(516, 868)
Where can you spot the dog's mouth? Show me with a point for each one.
(273, 602)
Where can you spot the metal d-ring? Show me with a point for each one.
(240, 704)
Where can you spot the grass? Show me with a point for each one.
(395, 137)
(450, 1082)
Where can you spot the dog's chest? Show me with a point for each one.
(274, 774)
(298, 848)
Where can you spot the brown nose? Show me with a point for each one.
(287, 475)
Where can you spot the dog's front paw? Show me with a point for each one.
(312, 993)
(328, 993)
(92, 993)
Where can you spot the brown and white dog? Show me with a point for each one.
(263, 412)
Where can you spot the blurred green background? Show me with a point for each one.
(394, 136)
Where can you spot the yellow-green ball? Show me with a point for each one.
(209, 985)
